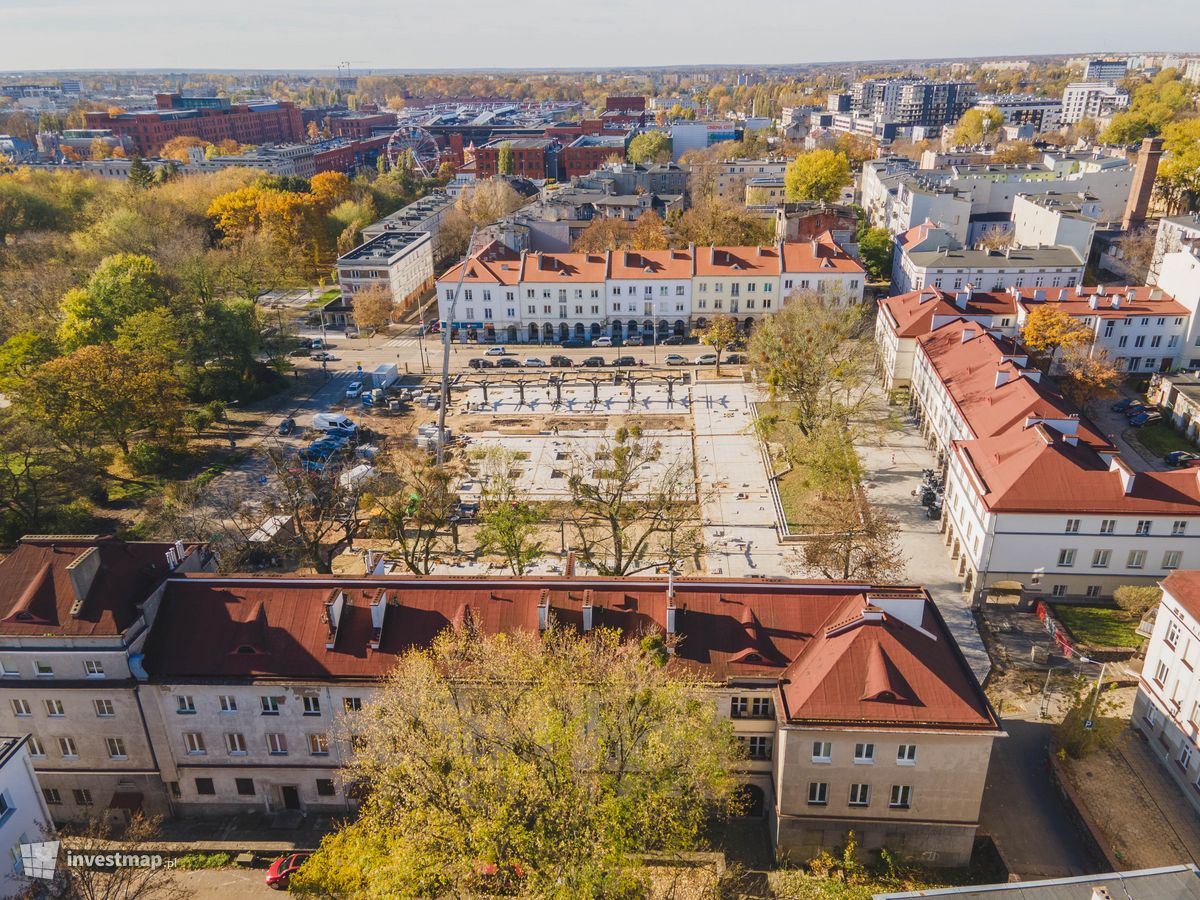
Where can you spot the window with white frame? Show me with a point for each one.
(43, 669)
(277, 744)
(66, 746)
(352, 704)
(228, 703)
(1066, 558)
(54, 708)
(822, 752)
(185, 705)
(1108, 526)
(312, 705)
(116, 748)
(1101, 558)
(818, 793)
(1172, 635)
(1178, 527)
(1137, 559)
(860, 794)
(1143, 526)
(1172, 559)
(318, 744)
(1072, 526)
(864, 753)
(756, 746)
(906, 754)
(235, 743)
(193, 743)
(1161, 672)
(93, 668)
(21, 707)
(270, 705)
(901, 796)
(36, 749)
(104, 708)
(1058, 590)
(1093, 591)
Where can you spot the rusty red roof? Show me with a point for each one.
(280, 628)
(912, 314)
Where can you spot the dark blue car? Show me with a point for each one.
(1123, 404)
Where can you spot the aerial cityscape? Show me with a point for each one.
(497, 466)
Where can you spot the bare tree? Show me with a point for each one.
(996, 237)
(508, 523)
(853, 540)
(417, 506)
(628, 513)
(1137, 252)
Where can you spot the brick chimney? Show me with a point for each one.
(1142, 188)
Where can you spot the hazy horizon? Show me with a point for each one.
(71, 35)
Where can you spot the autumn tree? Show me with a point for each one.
(1016, 152)
(328, 189)
(721, 333)
(544, 765)
(177, 147)
(1178, 182)
(604, 233)
(99, 395)
(1137, 599)
(488, 201)
(77, 878)
(649, 232)
(1048, 330)
(809, 354)
(977, 126)
(416, 500)
(875, 250)
(121, 286)
(996, 237)
(850, 538)
(39, 479)
(817, 175)
(508, 522)
(630, 510)
(373, 308)
(1088, 377)
(717, 222)
(650, 147)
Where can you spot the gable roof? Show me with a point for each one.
(78, 585)
(912, 314)
(492, 264)
(733, 261)
(821, 255)
(564, 267)
(676, 264)
(321, 627)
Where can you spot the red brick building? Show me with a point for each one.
(359, 125)
(533, 158)
(588, 152)
(211, 119)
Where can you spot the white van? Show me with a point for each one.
(329, 421)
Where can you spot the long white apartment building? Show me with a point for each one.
(1167, 706)
(1092, 100)
(929, 256)
(1035, 493)
(515, 297)
(733, 175)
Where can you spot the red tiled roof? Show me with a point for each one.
(651, 264)
(493, 264)
(912, 314)
(1184, 586)
(729, 261)
(39, 595)
(1130, 301)
(820, 255)
(564, 267)
(277, 628)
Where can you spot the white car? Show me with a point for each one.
(495, 351)
(354, 390)
(534, 362)
(674, 359)
(602, 342)
(706, 359)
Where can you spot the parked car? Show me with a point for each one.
(534, 362)
(562, 362)
(706, 359)
(593, 362)
(674, 359)
(283, 868)
(508, 362)
(495, 351)
(1177, 459)
(354, 390)
(624, 361)
(1123, 404)
(322, 356)
(1145, 418)
(287, 426)
(574, 342)
(672, 340)
(633, 340)
(1135, 409)
(602, 342)
(735, 358)
(478, 363)
(317, 344)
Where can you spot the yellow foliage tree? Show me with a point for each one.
(1048, 330)
(177, 147)
(328, 189)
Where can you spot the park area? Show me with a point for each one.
(1099, 626)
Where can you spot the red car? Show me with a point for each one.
(281, 870)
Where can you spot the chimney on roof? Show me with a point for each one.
(544, 611)
(968, 334)
(962, 298)
(1100, 290)
(1156, 293)
(1116, 301)
(1002, 376)
(1094, 301)
(378, 613)
(1100, 892)
(670, 584)
(82, 572)
(333, 617)
(589, 610)
(1079, 289)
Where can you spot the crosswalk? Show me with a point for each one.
(401, 342)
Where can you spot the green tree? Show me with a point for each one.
(720, 334)
(818, 175)
(508, 524)
(121, 285)
(1137, 599)
(557, 788)
(417, 500)
(22, 353)
(140, 174)
(875, 249)
(505, 161)
(650, 146)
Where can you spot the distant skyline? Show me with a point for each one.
(305, 34)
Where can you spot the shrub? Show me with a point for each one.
(146, 458)
(205, 861)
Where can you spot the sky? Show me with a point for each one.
(523, 34)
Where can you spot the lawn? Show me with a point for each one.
(1098, 626)
(1160, 438)
(795, 495)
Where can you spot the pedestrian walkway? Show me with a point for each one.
(401, 342)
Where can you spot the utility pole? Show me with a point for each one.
(446, 329)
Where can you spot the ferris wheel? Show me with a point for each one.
(420, 143)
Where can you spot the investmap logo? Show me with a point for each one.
(41, 859)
